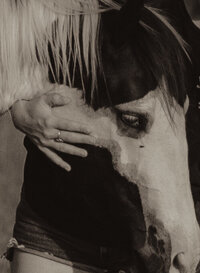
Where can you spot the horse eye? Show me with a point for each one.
(131, 120)
(135, 120)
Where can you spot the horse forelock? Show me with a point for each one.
(57, 23)
(155, 51)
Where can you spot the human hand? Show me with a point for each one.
(37, 120)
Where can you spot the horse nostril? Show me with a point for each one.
(180, 263)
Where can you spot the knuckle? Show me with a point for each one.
(56, 98)
(48, 123)
(59, 147)
(83, 129)
(46, 134)
(41, 124)
(71, 124)
(68, 149)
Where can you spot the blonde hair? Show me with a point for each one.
(70, 28)
(29, 27)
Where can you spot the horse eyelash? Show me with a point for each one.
(142, 119)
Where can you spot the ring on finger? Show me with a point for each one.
(59, 138)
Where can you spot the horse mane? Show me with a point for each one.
(28, 28)
(164, 53)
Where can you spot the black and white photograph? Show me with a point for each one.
(99, 136)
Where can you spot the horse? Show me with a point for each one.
(140, 121)
(135, 186)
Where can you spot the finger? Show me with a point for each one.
(71, 137)
(67, 137)
(50, 134)
(74, 126)
(55, 99)
(55, 158)
(65, 148)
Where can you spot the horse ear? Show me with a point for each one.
(122, 24)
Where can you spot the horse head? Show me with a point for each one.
(142, 125)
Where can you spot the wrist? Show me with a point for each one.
(17, 112)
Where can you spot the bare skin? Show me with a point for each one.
(36, 119)
(28, 263)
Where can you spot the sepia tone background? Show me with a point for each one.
(12, 155)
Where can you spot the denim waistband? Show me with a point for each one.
(32, 232)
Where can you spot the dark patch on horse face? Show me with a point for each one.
(126, 78)
(141, 54)
(154, 242)
(155, 264)
(125, 75)
(159, 260)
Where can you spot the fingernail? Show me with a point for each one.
(67, 168)
(84, 153)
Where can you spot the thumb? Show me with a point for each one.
(55, 99)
